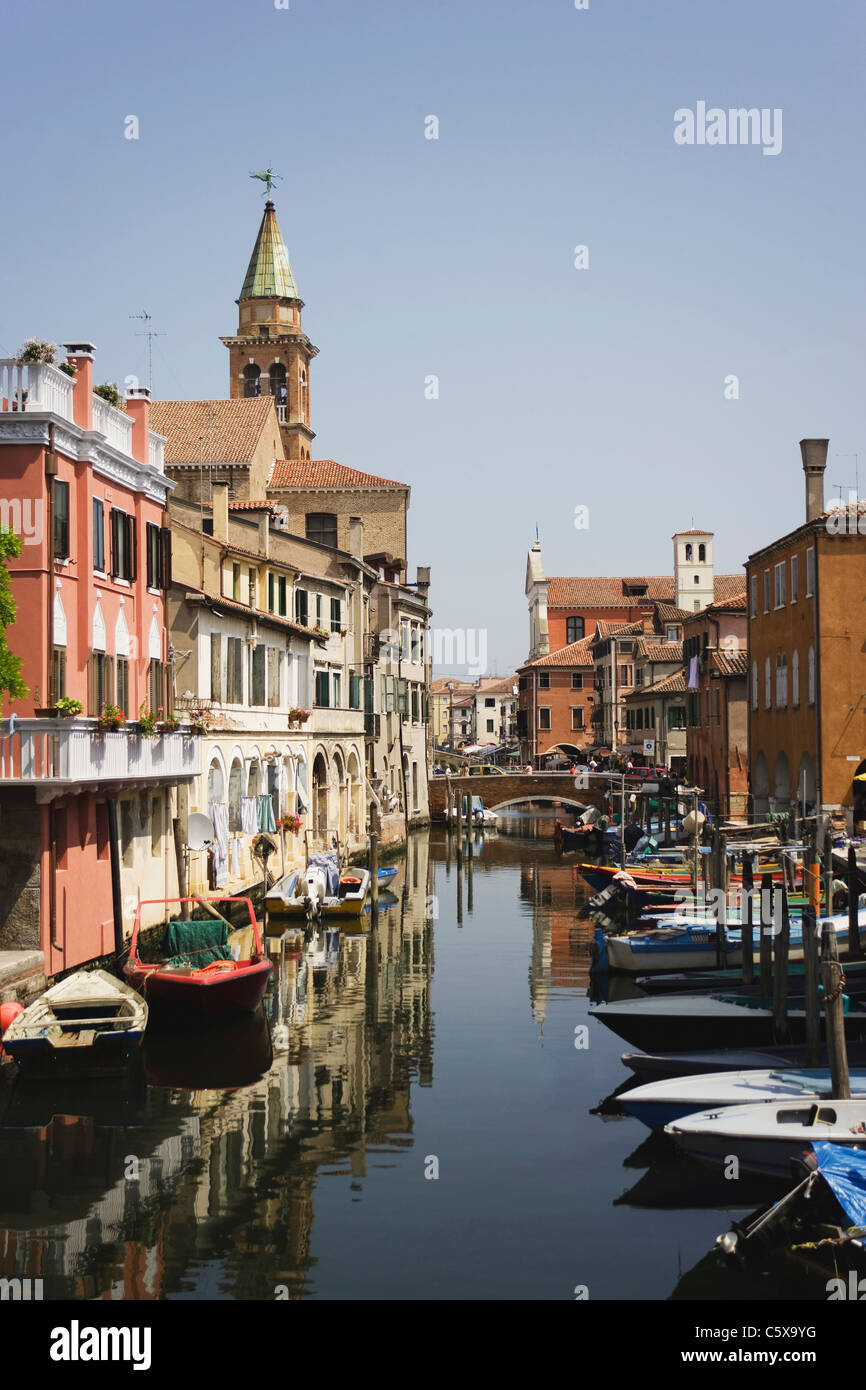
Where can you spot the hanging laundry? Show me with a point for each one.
(266, 814)
(235, 856)
(693, 673)
(249, 815)
(219, 813)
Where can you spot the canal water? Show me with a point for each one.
(416, 1118)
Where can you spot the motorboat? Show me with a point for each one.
(766, 1137)
(660, 1103)
(323, 888)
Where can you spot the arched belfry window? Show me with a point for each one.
(688, 550)
(702, 554)
(278, 382)
(252, 380)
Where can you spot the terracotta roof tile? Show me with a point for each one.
(731, 663)
(323, 473)
(213, 431)
(267, 505)
(653, 650)
(270, 619)
(674, 684)
(606, 591)
(733, 603)
(575, 654)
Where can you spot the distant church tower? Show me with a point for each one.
(693, 569)
(271, 355)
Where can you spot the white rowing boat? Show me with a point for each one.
(87, 1025)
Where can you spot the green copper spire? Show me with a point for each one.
(269, 274)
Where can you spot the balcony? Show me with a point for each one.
(35, 386)
(114, 424)
(53, 755)
(324, 720)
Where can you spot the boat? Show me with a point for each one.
(322, 888)
(681, 1022)
(90, 1024)
(660, 1103)
(767, 1137)
(196, 973)
(655, 1066)
(685, 944)
(387, 874)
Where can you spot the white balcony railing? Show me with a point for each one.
(116, 425)
(35, 386)
(38, 751)
(156, 451)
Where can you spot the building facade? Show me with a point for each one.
(81, 791)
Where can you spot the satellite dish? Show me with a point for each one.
(199, 831)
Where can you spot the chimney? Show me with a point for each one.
(422, 583)
(82, 392)
(356, 537)
(219, 500)
(265, 533)
(814, 455)
(647, 620)
(138, 407)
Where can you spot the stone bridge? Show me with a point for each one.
(515, 789)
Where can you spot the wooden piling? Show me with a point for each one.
(827, 866)
(832, 980)
(458, 816)
(768, 918)
(810, 984)
(747, 921)
(855, 948)
(780, 970)
(374, 860)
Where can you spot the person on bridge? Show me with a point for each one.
(528, 767)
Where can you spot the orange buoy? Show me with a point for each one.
(8, 1013)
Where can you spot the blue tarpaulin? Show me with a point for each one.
(844, 1171)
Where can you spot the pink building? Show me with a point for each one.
(83, 485)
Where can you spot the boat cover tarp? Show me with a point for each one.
(196, 943)
(844, 1171)
(331, 864)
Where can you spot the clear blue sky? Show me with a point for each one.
(454, 257)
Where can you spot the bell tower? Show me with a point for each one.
(271, 355)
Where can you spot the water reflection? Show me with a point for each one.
(285, 1154)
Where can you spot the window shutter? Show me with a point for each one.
(133, 549)
(215, 667)
(165, 557)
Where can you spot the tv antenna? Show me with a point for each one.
(856, 458)
(149, 334)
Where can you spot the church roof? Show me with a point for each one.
(269, 274)
(310, 474)
(213, 431)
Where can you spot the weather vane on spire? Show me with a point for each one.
(268, 178)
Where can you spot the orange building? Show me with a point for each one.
(807, 659)
(717, 733)
(555, 702)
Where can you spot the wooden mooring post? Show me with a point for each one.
(810, 985)
(374, 861)
(747, 918)
(832, 981)
(855, 948)
(781, 942)
(768, 918)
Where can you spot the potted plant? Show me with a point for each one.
(109, 392)
(298, 716)
(170, 724)
(321, 632)
(111, 718)
(147, 721)
(70, 368)
(35, 352)
(289, 823)
(66, 706)
(198, 722)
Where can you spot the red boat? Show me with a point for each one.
(195, 974)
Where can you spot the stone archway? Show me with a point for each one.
(761, 787)
(320, 795)
(782, 784)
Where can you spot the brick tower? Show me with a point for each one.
(271, 354)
